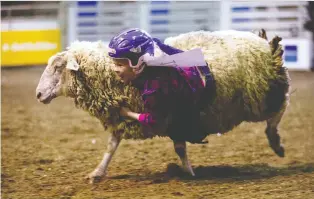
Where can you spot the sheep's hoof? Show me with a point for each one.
(174, 170)
(95, 177)
(280, 151)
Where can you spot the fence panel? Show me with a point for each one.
(30, 34)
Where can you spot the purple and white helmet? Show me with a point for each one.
(134, 45)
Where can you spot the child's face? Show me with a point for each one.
(123, 70)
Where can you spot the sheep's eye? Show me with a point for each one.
(58, 65)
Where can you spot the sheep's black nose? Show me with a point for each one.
(38, 95)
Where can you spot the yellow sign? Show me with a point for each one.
(31, 47)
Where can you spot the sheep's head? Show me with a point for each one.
(53, 82)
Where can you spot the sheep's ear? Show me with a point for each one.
(72, 63)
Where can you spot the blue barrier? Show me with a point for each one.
(87, 3)
(158, 22)
(160, 2)
(240, 20)
(159, 12)
(291, 53)
(240, 9)
(87, 32)
(87, 14)
(87, 24)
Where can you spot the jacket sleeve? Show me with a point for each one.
(153, 105)
(147, 119)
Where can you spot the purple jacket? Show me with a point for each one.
(177, 92)
(169, 91)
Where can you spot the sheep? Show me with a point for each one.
(251, 85)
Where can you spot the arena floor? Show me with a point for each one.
(47, 150)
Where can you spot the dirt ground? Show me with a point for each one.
(47, 150)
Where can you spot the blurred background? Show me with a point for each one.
(47, 150)
(34, 30)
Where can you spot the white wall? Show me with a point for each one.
(29, 24)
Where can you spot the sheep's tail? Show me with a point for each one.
(276, 51)
(276, 48)
(280, 86)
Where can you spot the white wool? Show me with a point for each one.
(157, 51)
(96, 48)
(86, 45)
(225, 35)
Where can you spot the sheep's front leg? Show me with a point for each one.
(180, 148)
(100, 171)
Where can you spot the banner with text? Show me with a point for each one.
(29, 47)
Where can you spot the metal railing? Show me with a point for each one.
(30, 10)
(98, 20)
(42, 13)
(285, 18)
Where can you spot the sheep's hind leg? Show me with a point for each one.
(272, 133)
(180, 148)
(100, 171)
